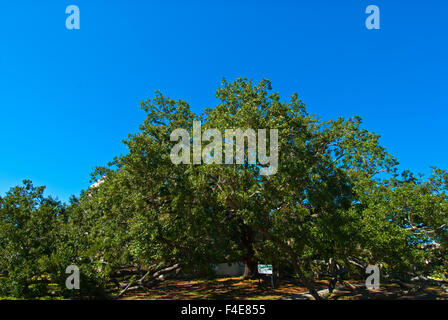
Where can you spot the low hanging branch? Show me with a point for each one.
(148, 280)
(336, 273)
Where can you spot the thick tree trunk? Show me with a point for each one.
(303, 279)
(250, 268)
(250, 263)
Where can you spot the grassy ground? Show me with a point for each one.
(392, 292)
(222, 288)
(235, 288)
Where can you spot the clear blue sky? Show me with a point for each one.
(68, 98)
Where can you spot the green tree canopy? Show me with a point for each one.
(333, 205)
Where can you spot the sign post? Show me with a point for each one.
(266, 269)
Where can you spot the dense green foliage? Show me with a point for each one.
(336, 202)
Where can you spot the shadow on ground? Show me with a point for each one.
(223, 288)
(235, 288)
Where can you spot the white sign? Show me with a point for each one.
(265, 269)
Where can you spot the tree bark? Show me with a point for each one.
(250, 268)
(250, 263)
(146, 281)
